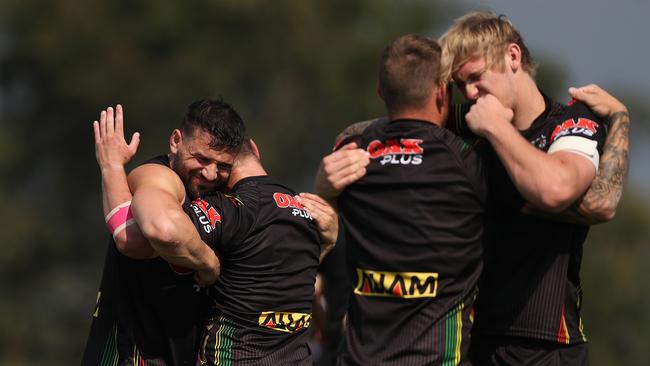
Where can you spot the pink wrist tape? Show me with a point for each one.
(119, 218)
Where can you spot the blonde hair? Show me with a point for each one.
(481, 34)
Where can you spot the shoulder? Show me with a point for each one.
(157, 176)
(353, 131)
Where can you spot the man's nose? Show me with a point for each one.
(210, 172)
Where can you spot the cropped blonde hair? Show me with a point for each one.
(481, 34)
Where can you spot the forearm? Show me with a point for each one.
(115, 191)
(185, 248)
(115, 188)
(544, 180)
(604, 194)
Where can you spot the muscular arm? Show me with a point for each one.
(157, 197)
(112, 153)
(550, 182)
(601, 199)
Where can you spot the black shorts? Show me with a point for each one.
(511, 351)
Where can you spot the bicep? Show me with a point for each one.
(577, 169)
(157, 177)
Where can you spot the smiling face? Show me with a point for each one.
(202, 169)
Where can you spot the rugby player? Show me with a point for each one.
(344, 166)
(147, 311)
(261, 309)
(541, 152)
(413, 222)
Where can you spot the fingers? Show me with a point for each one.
(346, 176)
(96, 132)
(349, 146)
(119, 120)
(135, 142)
(110, 121)
(102, 123)
(318, 208)
(343, 159)
(598, 99)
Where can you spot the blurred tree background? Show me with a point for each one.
(297, 71)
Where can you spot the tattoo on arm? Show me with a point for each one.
(599, 203)
(606, 190)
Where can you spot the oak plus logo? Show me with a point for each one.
(583, 126)
(397, 152)
(284, 200)
(208, 215)
(407, 285)
(284, 321)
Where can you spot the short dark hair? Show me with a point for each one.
(409, 71)
(217, 118)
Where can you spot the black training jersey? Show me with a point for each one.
(146, 313)
(531, 285)
(413, 226)
(269, 248)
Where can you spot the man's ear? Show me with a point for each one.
(175, 141)
(256, 151)
(513, 57)
(442, 96)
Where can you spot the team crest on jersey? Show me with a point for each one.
(397, 152)
(583, 126)
(407, 285)
(284, 200)
(208, 215)
(284, 321)
(235, 200)
(539, 142)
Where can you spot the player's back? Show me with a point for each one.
(269, 247)
(414, 227)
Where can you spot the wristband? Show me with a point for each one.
(119, 218)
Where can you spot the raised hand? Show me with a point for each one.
(111, 149)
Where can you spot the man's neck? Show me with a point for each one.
(247, 167)
(529, 104)
(431, 117)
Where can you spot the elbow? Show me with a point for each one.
(598, 215)
(556, 199)
(122, 244)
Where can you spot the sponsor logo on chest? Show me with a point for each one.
(582, 126)
(208, 215)
(397, 152)
(284, 200)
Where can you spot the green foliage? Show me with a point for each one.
(615, 272)
(298, 72)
